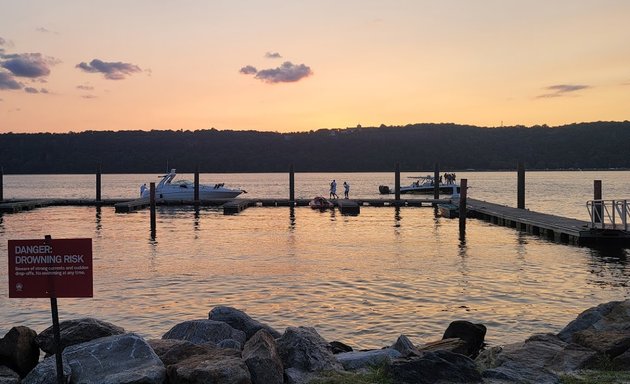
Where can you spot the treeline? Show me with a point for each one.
(415, 147)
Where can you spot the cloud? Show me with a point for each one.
(31, 90)
(31, 65)
(43, 90)
(8, 82)
(273, 55)
(85, 87)
(561, 90)
(248, 70)
(2, 41)
(286, 73)
(88, 97)
(111, 70)
(45, 30)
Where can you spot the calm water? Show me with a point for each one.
(362, 279)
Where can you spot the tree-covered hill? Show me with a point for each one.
(415, 147)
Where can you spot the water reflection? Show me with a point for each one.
(291, 218)
(97, 220)
(609, 266)
(397, 217)
(196, 216)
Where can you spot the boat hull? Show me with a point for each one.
(180, 194)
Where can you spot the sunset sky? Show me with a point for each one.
(304, 65)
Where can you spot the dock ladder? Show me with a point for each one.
(609, 214)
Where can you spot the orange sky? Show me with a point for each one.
(152, 64)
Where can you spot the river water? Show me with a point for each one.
(363, 279)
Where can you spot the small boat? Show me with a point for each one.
(320, 202)
(423, 185)
(448, 210)
(167, 189)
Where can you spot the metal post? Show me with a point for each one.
(397, 182)
(521, 185)
(197, 185)
(291, 185)
(56, 330)
(463, 186)
(436, 182)
(152, 205)
(597, 206)
(1, 181)
(98, 183)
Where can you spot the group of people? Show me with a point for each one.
(333, 190)
(449, 177)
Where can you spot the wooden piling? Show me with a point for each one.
(436, 181)
(463, 186)
(521, 185)
(597, 207)
(196, 195)
(152, 205)
(291, 185)
(98, 182)
(1, 181)
(397, 182)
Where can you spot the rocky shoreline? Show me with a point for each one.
(229, 347)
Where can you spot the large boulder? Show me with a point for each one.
(75, 332)
(359, 360)
(537, 360)
(434, 367)
(19, 351)
(203, 331)
(405, 346)
(610, 342)
(261, 356)
(454, 345)
(472, 334)
(115, 359)
(172, 351)
(46, 372)
(614, 315)
(304, 349)
(217, 365)
(240, 320)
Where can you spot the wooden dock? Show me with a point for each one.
(551, 227)
(19, 205)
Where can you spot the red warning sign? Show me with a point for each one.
(50, 268)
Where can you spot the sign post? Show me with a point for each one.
(50, 269)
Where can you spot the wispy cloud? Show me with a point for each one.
(248, 70)
(7, 81)
(561, 90)
(46, 30)
(111, 70)
(31, 90)
(273, 55)
(286, 73)
(88, 97)
(85, 87)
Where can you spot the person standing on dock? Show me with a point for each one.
(333, 190)
(143, 188)
(346, 190)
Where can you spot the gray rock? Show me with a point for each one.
(472, 334)
(296, 376)
(8, 376)
(230, 343)
(610, 342)
(46, 372)
(339, 347)
(173, 351)
(358, 360)
(434, 367)
(202, 331)
(622, 362)
(115, 360)
(19, 351)
(304, 349)
(614, 314)
(240, 320)
(405, 346)
(261, 356)
(222, 366)
(75, 332)
(455, 345)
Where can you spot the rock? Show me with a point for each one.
(172, 351)
(434, 367)
(622, 362)
(455, 345)
(115, 359)
(261, 356)
(472, 334)
(46, 372)
(76, 331)
(304, 349)
(353, 361)
(614, 315)
(241, 321)
(8, 376)
(611, 342)
(405, 346)
(222, 366)
(296, 376)
(19, 351)
(202, 331)
(339, 347)
(532, 361)
(230, 343)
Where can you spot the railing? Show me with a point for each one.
(609, 214)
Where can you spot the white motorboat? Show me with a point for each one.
(423, 185)
(167, 189)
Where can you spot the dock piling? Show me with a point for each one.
(597, 207)
(152, 206)
(1, 181)
(436, 182)
(291, 185)
(463, 186)
(196, 196)
(521, 185)
(98, 182)
(397, 182)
